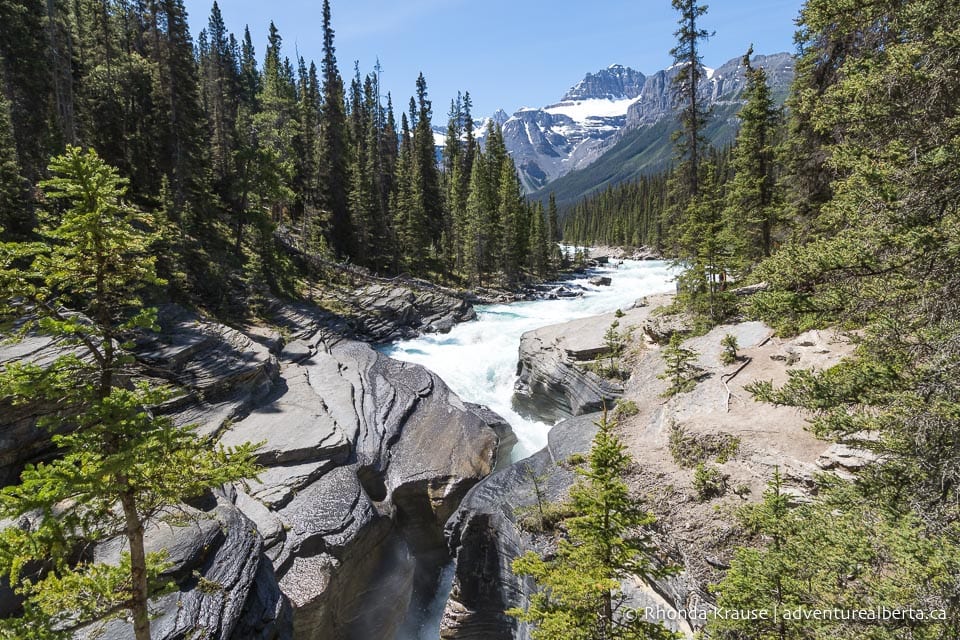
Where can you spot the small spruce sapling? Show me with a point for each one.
(729, 353)
(613, 343)
(679, 371)
(579, 594)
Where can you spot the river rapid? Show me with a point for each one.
(478, 360)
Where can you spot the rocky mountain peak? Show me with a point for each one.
(616, 82)
(500, 117)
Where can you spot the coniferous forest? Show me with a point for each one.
(237, 147)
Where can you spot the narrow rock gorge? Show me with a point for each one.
(364, 459)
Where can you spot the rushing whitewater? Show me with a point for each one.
(478, 360)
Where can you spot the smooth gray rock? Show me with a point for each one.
(388, 312)
(484, 537)
(554, 379)
(213, 362)
(223, 580)
(294, 425)
(296, 351)
(339, 524)
(276, 485)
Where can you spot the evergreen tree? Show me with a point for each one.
(863, 562)
(428, 175)
(26, 69)
(552, 233)
(538, 258)
(249, 74)
(553, 218)
(182, 156)
(705, 256)
(513, 236)
(630, 213)
(220, 76)
(379, 250)
(876, 251)
(118, 453)
(752, 202)
(306, 148)
(277, 124)
(409, 213)
(364, 201)
(679, 370)
(455, 194)
(579, 595)
(14, 216)
(686, 86)
(387, 169)
(334, 149)
(479, 226)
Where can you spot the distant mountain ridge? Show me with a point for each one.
(616, 105)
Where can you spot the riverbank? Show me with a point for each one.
(717, 425)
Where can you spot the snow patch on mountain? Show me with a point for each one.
(586, 111)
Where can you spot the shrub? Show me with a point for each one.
(708, 482)
(688, 449)
(625, 408)
(679, 371)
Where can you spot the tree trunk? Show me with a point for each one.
(139, 594)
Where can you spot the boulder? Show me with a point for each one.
(661, 327)
(386, 312)
(554, 378)
(601, 281)
(845, 458)
(225, 585)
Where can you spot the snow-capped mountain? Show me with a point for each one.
(547, 143)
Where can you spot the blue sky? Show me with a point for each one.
(507, 53)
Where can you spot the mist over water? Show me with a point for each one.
(478, 360)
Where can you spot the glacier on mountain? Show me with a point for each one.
(549, 142)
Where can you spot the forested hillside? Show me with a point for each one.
(230, 145)
(843, 210)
